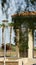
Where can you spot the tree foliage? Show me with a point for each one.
(18, 5)
(32, 1)
(3, 2)
(23, 23)
(11, 24)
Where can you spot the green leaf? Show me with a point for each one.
(11, 24)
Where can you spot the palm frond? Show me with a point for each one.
(11, 24)
(3, 25)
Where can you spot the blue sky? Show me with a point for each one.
(12, 9)
(7, 32)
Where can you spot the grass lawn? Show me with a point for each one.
(34, 48)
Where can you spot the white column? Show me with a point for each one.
(30, 44)
(17, 38)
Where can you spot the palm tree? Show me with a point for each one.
(10, 25)
(0, 25)
(3, 26)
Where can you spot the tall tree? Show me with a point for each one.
(5, 6)
(3, 26)
(10, 25)
(3, 33)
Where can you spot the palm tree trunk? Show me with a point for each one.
(3, 44)
(2, 35)
(10, 34)
(10, 38)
